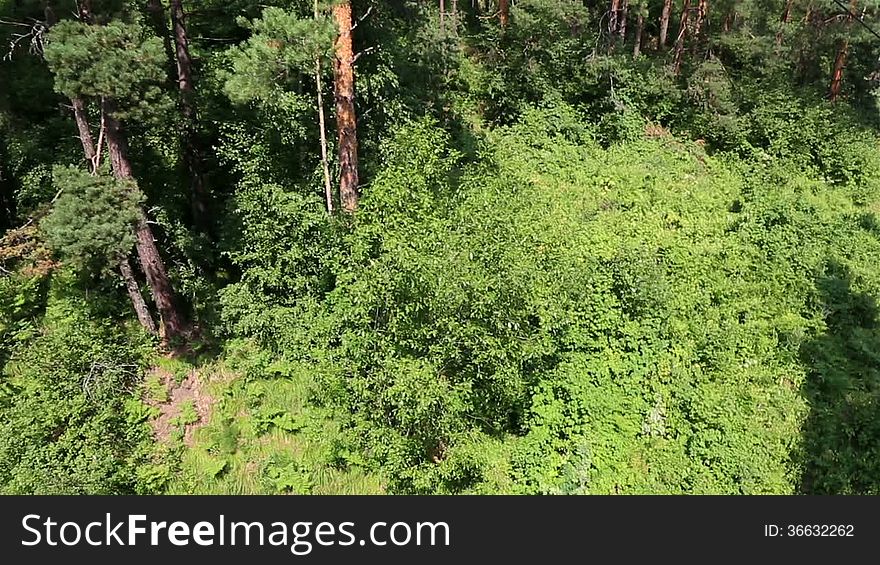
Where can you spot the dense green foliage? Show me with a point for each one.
(572, 270)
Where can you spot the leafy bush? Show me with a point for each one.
(73, 425)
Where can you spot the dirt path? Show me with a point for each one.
(191, 390)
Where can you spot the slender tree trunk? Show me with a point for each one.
(640, 31)
(346, 118)
(504, 12)
(682, 36)
(442, 13)
(664, 22)
(137, 299)
(322, 124)
(841, 57)
(728, 21)
(172, 321)
(192, 152)
(837, 72)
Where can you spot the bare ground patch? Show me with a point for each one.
(190, 390)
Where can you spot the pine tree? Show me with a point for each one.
(115, 66)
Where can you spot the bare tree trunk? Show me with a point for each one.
(325, 161)
(664, 22)
(322, 124)
(137, 299)
(841, 57)
(640, 31)
(442, 14)
(346, 117)
(192, 152)
(682, 36)
(172, 321)
(504, 12)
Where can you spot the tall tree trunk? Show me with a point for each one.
(664, 22)
(442, 13)
(192, 151)
(172, 321)
(841, 56)
(682, 36)
(504, 12)
(622, 17)
(346, 118)
(640, 31)
(613, 11)
(837, 72)
(322, 124)
(700, 35)
(137, 299)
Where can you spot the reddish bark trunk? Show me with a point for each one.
(664, 22)
(504, 12)
(346, 117)
(840, 57)
(172, 321)
(837, 72)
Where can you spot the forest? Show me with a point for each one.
(439, 247)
